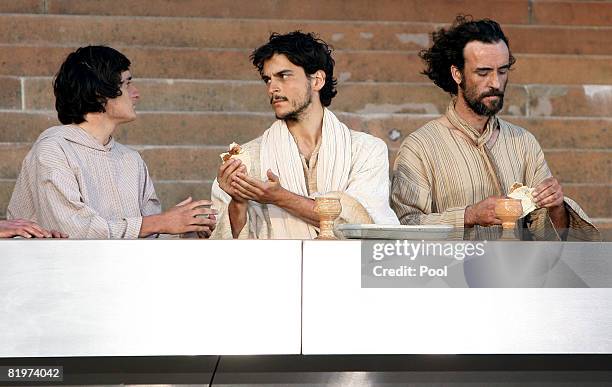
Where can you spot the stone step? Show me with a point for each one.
(357, 97)
(22, 6)
(592, 198)
(220, 129)
(514, 11)
(381, 66)
(555, 12)
(562, 12)
(250, 33)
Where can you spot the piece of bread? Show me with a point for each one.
(235, 151)
(525, 195)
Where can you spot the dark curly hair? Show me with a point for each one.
(87, 79)
(448, 45)
(305, 50)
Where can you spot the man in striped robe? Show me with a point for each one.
(454, 169)
(77, 179)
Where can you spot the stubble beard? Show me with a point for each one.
(475, 102)
(296, 114)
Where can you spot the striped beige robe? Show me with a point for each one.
(439, 171)
(71, 183)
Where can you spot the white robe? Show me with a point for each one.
(353, 166)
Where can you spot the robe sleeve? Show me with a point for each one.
(539, 223)
(150, 202)
(221, 201)
(368, 186)
(411, 191)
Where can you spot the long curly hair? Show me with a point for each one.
(305, 50)
(448, 45)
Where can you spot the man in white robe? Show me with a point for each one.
(306, 153)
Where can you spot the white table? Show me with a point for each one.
(187, 297)
(149, 297)
(340, 317)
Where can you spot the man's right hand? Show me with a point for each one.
(26, 229)
(224, 178)
(181, 219)
(482, 213)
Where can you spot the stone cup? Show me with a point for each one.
(508, 210)
(328, 209)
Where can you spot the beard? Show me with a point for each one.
(298, 108)
(475, 102)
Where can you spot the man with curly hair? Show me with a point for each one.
(454, 169)
(307, 152)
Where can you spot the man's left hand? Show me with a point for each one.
(268, 192)
(548, 194)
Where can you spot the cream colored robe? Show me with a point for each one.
(364, 200)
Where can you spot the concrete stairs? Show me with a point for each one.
(199, 91)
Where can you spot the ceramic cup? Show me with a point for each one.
(508, 210)
(328, 209)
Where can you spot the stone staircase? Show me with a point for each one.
(199, 91)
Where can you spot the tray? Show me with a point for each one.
(381, 231)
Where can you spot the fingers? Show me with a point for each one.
(244, 190)
(186, 201)
(546, 183)
(201, 221)
(544, 192)
(243, 195)
(551, 201)
(229, 167)
(41, 231)
(272, 177)
(24, 228)
(33, 231)
(198, 203)
(22, 233)
(58, 234)
(551, 196)
(214, 225)
(204, 211)
(241, 177)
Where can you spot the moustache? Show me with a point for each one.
(277, 98)
(492, 93)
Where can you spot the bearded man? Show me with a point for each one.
(454, 169)
(307, 152)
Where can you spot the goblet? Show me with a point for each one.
(508, 210)
(328, 209)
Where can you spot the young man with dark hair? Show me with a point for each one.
(455, 168)
(78, 179)
(307, 152)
